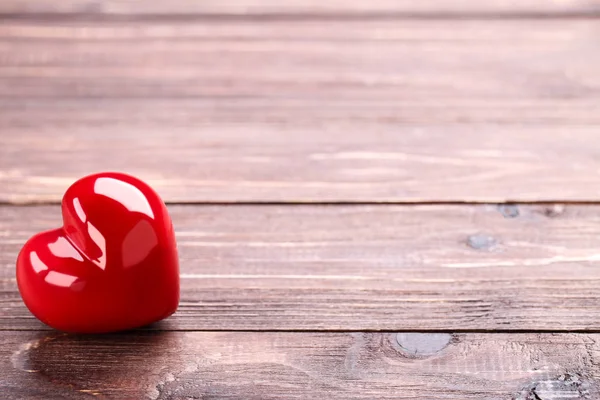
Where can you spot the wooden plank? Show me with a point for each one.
(302, 7)
(209, 365)
(268, 162)
(245, 163)
(301, 110)
(364, 267)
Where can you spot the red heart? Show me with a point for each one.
(112, 266)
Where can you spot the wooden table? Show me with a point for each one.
(384, 199)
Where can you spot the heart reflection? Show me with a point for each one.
(123, 364)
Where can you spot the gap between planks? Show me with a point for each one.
(344, 203)
(302, 8)
(299, 17)
(41, 328)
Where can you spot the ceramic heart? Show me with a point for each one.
(112, 266)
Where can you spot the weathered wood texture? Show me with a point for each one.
(295, 7)
(301, 110)
(365, 267)
(319, 101)
(194, 365)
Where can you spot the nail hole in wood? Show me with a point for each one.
(509, 210)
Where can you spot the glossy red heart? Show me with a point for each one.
(112, 266)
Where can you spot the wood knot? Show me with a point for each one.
(553, 210)
(509, 210)
(422, 344)
(481, 242)
(563, 387)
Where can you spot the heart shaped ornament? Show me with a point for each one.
(112, 266)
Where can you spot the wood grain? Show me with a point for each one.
(299, 110)
(302, 7)
(364, 267)
(290, 164)
(263, 101)
(194, 365)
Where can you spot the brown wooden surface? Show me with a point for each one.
(374, 110)
(312, 8)
(414, 103)
(194, 365)
(365, 267)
